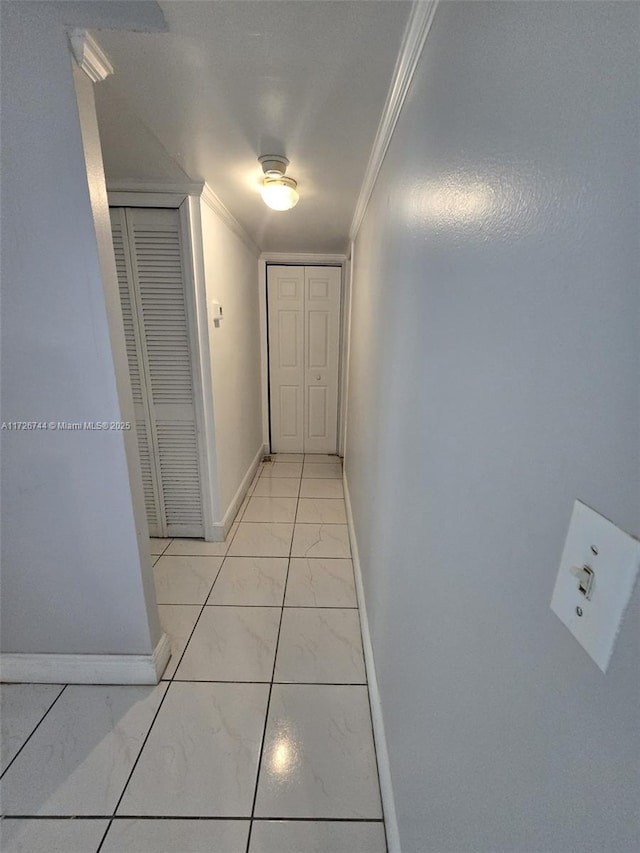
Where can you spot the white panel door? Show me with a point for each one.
(285, 294)
(322, 337)
(304, 333)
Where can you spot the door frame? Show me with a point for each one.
(305, 259)
(187, 203)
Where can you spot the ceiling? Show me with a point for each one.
(234, 79)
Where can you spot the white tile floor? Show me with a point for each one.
(257, 740)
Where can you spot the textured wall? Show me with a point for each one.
(231, 272)
(75, 578)
(493, 380)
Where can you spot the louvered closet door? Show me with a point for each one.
(136, 371)
(163, 341)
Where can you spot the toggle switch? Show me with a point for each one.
(215, 310)
(593, 610)
(586, 576)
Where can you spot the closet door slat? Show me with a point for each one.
(136, 372)
(158, 259)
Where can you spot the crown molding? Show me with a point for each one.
(90, 56)
(415, 35)
(222, 211)
(302, 258)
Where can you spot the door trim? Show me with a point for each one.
(303, 259)
(298, 259)
(188, 207)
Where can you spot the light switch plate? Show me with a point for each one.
(614, 558)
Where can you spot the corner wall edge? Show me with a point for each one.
(415, 36)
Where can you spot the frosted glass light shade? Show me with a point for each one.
(280, 193)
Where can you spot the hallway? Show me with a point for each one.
(259, 736)
(471, 168)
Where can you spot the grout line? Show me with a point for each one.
(165, 547)
(244, 818)
(339, 523)
(135, 763)
(273, 675)
(200, 556)
(287, 606)
(155, 717)
(286, 683)
(263, 606)
(195, 624)
(322, 819)
(106, 832)
(64, 687)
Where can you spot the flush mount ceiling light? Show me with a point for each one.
(278, 191)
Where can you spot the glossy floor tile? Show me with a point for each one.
(318, 488)
(296, 836)
(281, 469)
(22, 707)
(320, 582)
(251, 580)
(315, 458)
(185, 580)
(262, 539)
(320, 540)
(320, 646)
(201, 758)
(270, 509)
(319, 759)
(277, 487)
(158, 546)
(178, 621)
(259, 737)
(232, 644)
(78, 760)
(321, 510)
(51, 836)
(199, 548)
(144, 835)
(322, 470)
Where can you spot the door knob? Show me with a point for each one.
(318, 377)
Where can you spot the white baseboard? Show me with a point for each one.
(221, 528)
(384, 769)
(87, 669)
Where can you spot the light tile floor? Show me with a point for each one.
(257, 740)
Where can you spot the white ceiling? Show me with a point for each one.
(234, 79)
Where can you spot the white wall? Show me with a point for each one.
(231, 276)
(493, 379)
(74, 577)
(129, 148)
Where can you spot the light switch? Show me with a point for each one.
(597, 572)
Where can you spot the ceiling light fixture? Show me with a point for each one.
(278, 191)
